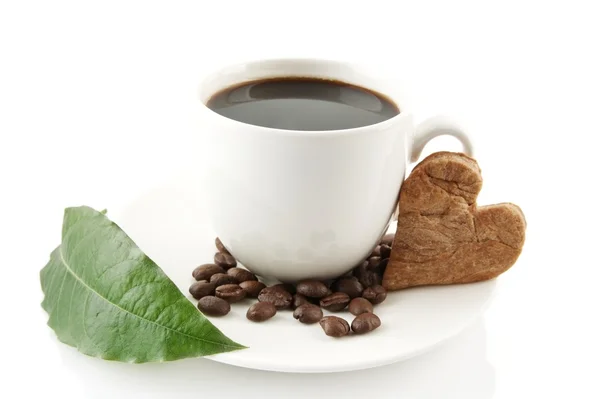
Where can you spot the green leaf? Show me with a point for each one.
(105, 297)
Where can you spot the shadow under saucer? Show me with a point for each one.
(456, 369)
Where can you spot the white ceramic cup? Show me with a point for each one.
(294, 204)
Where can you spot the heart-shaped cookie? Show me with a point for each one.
(443, 237)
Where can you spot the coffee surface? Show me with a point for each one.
(302, 104)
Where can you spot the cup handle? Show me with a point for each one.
(434, 127)
(430, 129)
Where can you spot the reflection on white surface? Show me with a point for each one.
(457, 369)
(170, 224)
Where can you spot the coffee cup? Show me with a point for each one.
(297, 204)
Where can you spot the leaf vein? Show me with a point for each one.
(133, 314)
(49, 286)
(85, 310)
(70, 305)
(60, 290)
(112, 267)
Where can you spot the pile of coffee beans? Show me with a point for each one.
(222, 283)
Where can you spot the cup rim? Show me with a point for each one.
(211, 75)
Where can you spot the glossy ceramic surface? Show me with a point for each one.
(171, 224)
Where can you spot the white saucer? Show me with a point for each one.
(169, 223)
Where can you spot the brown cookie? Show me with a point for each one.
(443, 237)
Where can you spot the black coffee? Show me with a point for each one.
(303, 104)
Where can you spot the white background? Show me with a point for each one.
(97, 103)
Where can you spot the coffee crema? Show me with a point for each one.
(298, 103)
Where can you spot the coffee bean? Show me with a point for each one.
(213, 306)
(388, 239)
(252, 287)
(286, 287)
(308, 313)
(365, 322)
(378, 265)
(385, 251)
(359, 306)
(224, 260)
(382, 265)
(335, 302)
(201, 289)
(261, 311)
(222, 279)
(312, 289)
(375, 294)
(220, 246)
(205, 272)
(358, 270)
(330, 282)
(334, 326)
(277, 296)
(241, 275)
(376, 251)
(299, 300)
(366, 276)
(374, 262)
(348, 285)
(230, 292)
